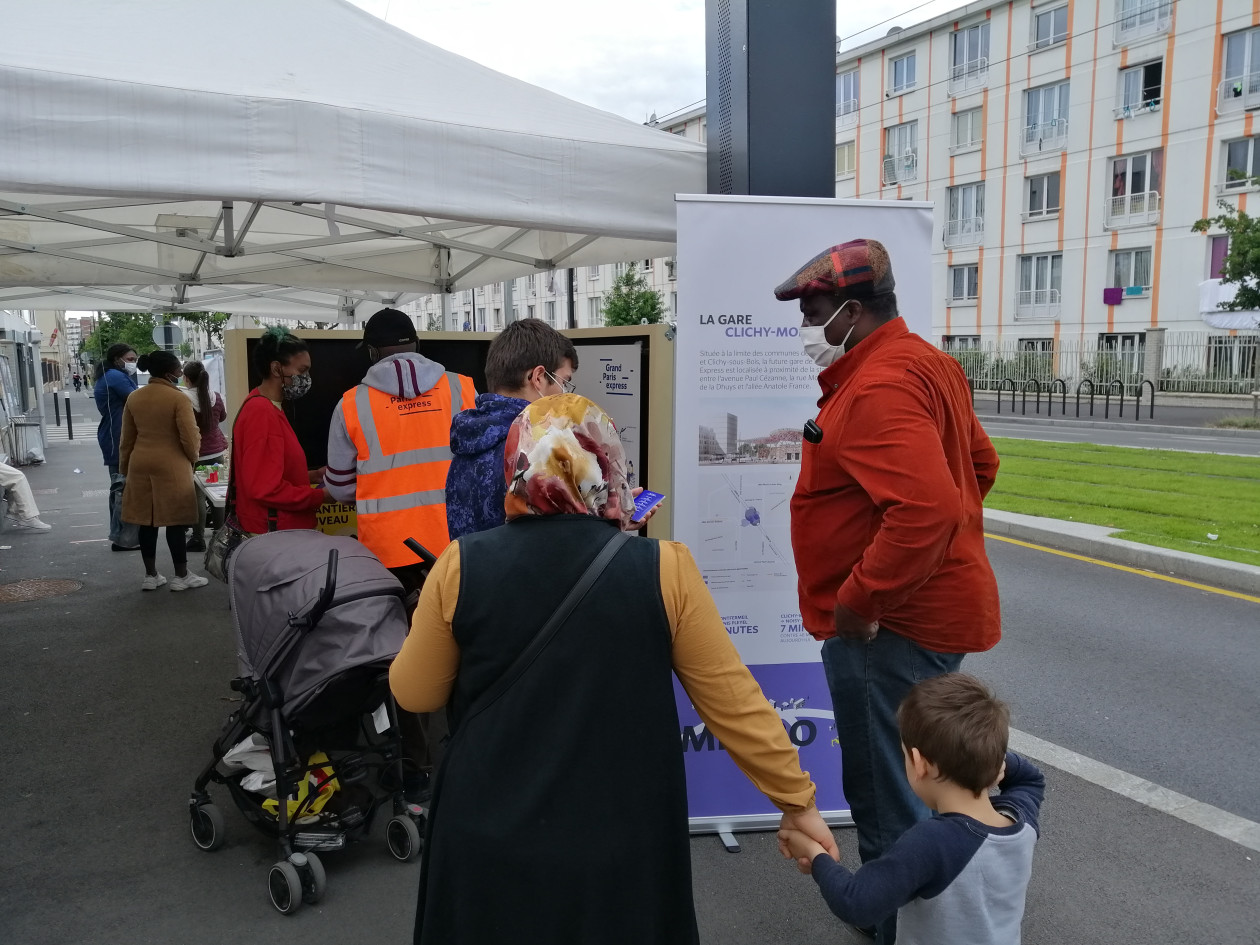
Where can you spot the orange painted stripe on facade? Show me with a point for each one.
(1119, 149)
(1211, 109)
(1089, 167)
(1255, 12)
(1062, 179)
(1166, 119)
(1006, 125)
(857, 138)
(979, 294)
(927, 135)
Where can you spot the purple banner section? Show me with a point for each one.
(798, 691)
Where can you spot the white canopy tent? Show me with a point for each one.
(297, 158)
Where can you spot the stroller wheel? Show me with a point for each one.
(285, 887)
(206, 825)
(402, 836)
(314, 880)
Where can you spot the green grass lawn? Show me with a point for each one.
(1157, 497)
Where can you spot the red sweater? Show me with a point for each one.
(888, 514)
(269, 469)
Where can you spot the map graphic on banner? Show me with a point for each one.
(744, 389)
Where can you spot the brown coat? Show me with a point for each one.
(160, 445)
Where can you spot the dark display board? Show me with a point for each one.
(338, 365)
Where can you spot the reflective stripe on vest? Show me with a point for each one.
(377, 461)
(399, 503)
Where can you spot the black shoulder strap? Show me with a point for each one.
(543, 637)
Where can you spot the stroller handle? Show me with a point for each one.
(427, 557)
(326, 595)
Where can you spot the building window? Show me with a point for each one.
(1240, 88)
(902, 73)
(498, 319)
(480, 323)
(647, 265)
(1043, 196)
(965, 223)
(847, 99)
(671, 268)
(1049, 28)
(619, 269)
(1137, 181)
(846, 159)
(966, 130)
(901, 153)
(1136, 19)
(964, 285)
(1131, 270)
(961, 342)
(969, 59)
(1242, 164)
(1040, 287)
(1141, 89)
(551, 313)
(1045, 119)
(673, 304)
(529, 311)
(1216, 257)
(593, 317)
(593, 272)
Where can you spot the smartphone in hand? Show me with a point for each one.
(646, 502)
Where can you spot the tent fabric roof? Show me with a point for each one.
(254, 156)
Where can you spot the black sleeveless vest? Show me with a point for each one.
(560, 814)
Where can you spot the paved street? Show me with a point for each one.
(110, 700)
(1193, 440)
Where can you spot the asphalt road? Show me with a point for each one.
(110, 700)
(1199, 441)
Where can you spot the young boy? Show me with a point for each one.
(962, 875)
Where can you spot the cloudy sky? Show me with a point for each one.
(631, 58)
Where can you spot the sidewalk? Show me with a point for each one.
(112, 697)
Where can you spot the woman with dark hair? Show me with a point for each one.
(159, 444)
(115, 382)
(210, 411)
(271, 479)
(529, 831)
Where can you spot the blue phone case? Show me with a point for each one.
(646, 501)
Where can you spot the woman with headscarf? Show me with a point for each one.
(115, 382)
(560, 811)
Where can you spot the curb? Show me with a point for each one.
(1133, 426)
(1095, 541)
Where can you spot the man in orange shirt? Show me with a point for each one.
(887, 523)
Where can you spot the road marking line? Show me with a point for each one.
(1240, 830)
(89, 541)
(1124, 567)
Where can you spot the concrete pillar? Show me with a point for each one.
(1153, 356)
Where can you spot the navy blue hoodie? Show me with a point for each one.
(475, 485)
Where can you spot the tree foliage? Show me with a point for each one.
(132, 328)
(632, 302)
(212, 323)
(1242, 261)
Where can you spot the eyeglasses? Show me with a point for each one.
(567, 386)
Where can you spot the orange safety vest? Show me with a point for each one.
(404, 451)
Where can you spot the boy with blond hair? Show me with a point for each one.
(962, 875)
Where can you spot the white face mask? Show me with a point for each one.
(814, 338)
(130, 367)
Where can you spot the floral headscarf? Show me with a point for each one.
(563, 455)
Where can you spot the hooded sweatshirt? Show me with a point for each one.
(405, 376)
(475, 484)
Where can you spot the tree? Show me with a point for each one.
(1242, 261)
(212, 323)
(132, 328)
(632, 302)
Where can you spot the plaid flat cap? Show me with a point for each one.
(858, 269)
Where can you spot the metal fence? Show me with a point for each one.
(1186, 362)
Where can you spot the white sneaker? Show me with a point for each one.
(188, 581)
(32, 524)
(152, 582)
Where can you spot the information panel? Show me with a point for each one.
(743, 391)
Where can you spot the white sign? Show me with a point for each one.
(609, 375)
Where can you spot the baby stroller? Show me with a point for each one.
(313, 751)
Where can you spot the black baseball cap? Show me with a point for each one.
(387, 328)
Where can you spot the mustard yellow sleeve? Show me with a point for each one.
(423, 673)
(722, 689)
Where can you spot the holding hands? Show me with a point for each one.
(803, 835)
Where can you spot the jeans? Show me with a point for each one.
(121, 533)
(867, 683)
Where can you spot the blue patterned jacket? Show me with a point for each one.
(475, 485)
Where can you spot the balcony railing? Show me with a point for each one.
(968, 76)
(846, 113)
(1239, 94)
(902, 169)
(1138, 19)
(1133, 109)
(966, 232)
(1038, 305)
(1044, 138)
(1132, 210)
